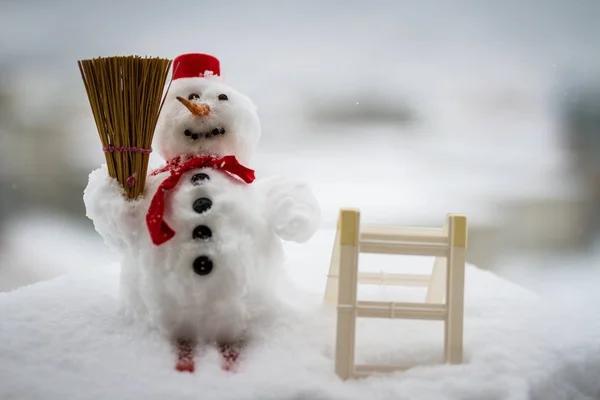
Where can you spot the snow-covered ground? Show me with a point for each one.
(65, 338)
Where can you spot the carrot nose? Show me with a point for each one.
(199, 110)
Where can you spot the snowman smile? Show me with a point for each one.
(204, 135)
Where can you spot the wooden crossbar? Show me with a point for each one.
(383, 278)
(394, 310)
(403, 234)
(404, 248)
(447, 244)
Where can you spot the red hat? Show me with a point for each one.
(194, 65)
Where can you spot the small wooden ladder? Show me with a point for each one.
(447, 244)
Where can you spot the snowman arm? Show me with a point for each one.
(291, 208)
(115, 217)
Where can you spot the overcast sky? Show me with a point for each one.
(36, 31)
(278, 51)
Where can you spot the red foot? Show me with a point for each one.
(185, 356)
(230, 354)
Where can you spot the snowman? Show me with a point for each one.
(201, 249)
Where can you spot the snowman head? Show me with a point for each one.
(203, 115)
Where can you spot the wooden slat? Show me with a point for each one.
(408, 306)
(381, 278)
(408, 234)
(402, 248)
(376, 309)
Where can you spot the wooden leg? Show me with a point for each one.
(436, 291)
(456, 291)
(331, 288)
(346, 316)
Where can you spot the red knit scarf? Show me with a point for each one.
(160, 231)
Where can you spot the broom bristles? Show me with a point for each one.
(126, 97)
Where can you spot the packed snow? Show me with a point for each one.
(66, 338)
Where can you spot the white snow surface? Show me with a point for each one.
(66, 339)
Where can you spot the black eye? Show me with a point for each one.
(223, 97)
(193, 96)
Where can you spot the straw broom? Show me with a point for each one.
(126, 96)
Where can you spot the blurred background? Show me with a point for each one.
(406, 109)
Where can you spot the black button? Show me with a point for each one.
(202, 232)
(202, 204)
(200, 177)
(203, 265)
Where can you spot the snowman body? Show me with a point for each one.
(214, 280)
(211, 280)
